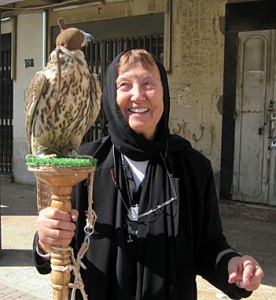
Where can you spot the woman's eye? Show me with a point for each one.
(148, 85)
(123, 85)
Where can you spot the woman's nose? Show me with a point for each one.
(137, 93)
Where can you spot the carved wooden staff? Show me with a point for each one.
(61, 180)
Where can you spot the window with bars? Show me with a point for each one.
(6, 107)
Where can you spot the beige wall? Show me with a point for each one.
(29, 45)
(197, 74)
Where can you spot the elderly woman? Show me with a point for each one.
(158, 222)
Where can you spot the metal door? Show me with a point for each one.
(255, 119)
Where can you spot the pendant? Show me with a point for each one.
(132, 213)
(132, 221)
(132, 227)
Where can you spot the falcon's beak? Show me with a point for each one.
(88, 38)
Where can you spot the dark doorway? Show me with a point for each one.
(6, 107)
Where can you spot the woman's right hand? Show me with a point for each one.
(55, 228)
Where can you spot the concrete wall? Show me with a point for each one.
(197, 74)
(29, 46)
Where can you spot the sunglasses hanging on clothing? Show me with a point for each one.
(132, 205)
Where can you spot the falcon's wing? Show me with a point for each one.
(96, 98)
(34, 92)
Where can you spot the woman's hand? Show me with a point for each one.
(246, 272)
(55, 228)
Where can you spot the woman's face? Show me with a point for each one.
(140, 98)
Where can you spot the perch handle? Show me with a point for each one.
(60, 255)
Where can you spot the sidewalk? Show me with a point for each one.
(18, 277)
(20, 280)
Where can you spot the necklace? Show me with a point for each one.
(132, 211)
(132, 215)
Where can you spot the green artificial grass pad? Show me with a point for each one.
(33, 161)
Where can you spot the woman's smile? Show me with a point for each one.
(138, 110)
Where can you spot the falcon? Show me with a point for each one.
(63, 100)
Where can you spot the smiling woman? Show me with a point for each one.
(140, 94)
(158, 222)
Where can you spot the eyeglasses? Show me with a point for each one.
(132, 211)
(159, 206)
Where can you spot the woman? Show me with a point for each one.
(158, 223)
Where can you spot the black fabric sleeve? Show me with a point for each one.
(213, 242)
(42, 265)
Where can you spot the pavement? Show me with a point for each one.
(19, 279)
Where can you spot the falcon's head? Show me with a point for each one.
(72, 38)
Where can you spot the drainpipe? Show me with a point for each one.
(1, 135)
(44, 37)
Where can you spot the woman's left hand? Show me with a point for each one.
(245, 271)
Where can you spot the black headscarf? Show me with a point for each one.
(152, 275)
(125, 140)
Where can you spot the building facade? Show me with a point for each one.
(220, 60)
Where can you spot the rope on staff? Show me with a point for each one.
(78, 283)
(89, 230)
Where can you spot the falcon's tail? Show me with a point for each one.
(43, 195)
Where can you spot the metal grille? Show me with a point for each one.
(100, 54)
(6, 114)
